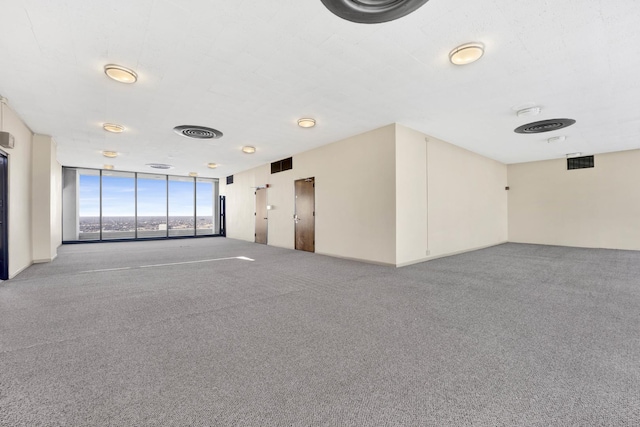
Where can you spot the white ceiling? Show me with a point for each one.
(251, 68)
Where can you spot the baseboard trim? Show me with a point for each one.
(431, 258)
(11, 276)
(366, 261)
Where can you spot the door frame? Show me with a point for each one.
(295, 213)
(4, 213)
(259, 210)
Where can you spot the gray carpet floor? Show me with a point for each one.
(506, 336)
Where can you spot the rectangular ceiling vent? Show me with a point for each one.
(282, 165)
(583, 162)
(230, 179)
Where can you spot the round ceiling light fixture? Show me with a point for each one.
(113, 128)
(372, 11)
(248, 149)
(110, 154)
(107, 167)
(556, 139)
(466, 53)
(306, 123)
(212, 165)
(193, 174)
(120, 74)
(544, 126)
(159, 166)
(527, 112)
(197, 132)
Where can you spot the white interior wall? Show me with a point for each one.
(19, 198)
(598, 207)
(241, 202)
(467, 200)
(71, 204)
(45, 198)
(55, 190)
(354, 193)
(411, 196)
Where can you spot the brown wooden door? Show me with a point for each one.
(261, 216)
(305, 215)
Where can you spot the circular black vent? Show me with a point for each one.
(197, 132)
(544, 126)
(159, 166)
(372, 11)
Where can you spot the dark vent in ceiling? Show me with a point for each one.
(282, 165)
(230, 179)
(544, 126)
(197, 132)
(583, 162)
(159, 166)
(372, 11)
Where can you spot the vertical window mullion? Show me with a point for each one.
(100, 236)
(135, 219)
(195, 212)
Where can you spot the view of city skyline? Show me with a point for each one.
(118, 197)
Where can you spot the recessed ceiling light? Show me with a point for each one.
(110, 154)
(193, 174)
(120, 74)
(570, 155)
(526, 112)
(248, 149)
(556, 139)
(108, 167)
(113, 128)
(212, 165)
(466, 53)
(306, 123)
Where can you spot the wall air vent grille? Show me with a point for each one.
(230, 179)
(580, 162)
(282, 165)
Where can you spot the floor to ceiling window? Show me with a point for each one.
(118, 205)
(181, 206)
(152, 205)
(109, 205)
(205, 205)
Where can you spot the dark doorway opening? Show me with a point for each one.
(4, 224)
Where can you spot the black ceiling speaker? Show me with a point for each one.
(544, 126)
(372, 11)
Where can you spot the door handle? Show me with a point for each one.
(296, 219)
